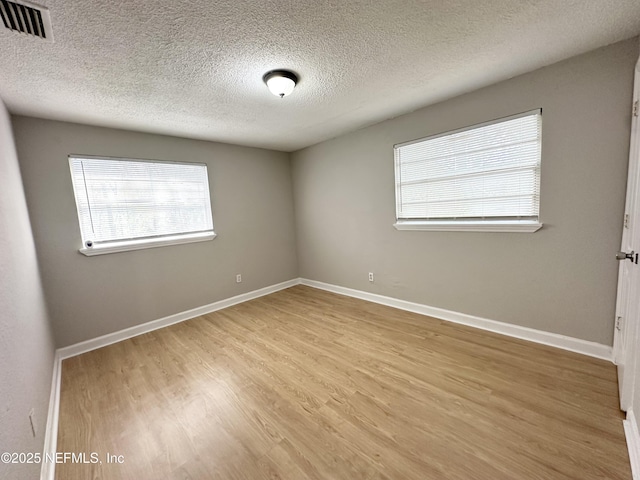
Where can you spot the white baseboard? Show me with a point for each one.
(108, 339)
(632, 434)
(577, 345)
(48, 469)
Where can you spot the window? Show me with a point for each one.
(131, 204)
(481, 178)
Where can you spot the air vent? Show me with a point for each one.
(27, 18)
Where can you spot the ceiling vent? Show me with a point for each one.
(27, 18)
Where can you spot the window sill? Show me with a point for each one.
(128, 245)
(470, 226)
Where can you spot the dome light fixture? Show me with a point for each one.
(280, 82)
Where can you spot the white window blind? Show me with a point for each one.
(489, 172)
(122, 201)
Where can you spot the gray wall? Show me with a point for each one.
(251, 196)
(26, 342)
(561, 279)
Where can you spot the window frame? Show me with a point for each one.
(125, 245)
(467, 225)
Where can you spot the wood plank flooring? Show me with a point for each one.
(306, 384)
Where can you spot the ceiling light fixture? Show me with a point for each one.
(280, 82)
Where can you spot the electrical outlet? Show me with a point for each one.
(371, 277)
(238, 278)
(32, 421)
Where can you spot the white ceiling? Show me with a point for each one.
(194, 68)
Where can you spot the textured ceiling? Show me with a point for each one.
(194, 68)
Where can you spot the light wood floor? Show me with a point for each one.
(305, 384)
